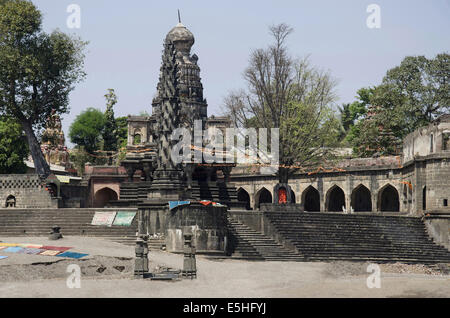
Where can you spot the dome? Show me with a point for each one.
(181, 37)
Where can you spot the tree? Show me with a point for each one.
(37, 71)
(421, 90)
(290, 95)
(110, 129)
(13, 147)
(410, 96)
(86, 131)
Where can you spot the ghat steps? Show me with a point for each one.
(73, 222)
(250, 244)
(333, 236)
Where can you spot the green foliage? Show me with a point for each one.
(86, 130)
(79, 157)
(37, 70)
(110, 129)
(122, 136)
(13, 147)
(410, 96)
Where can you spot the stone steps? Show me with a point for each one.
(247, 243)
(73, 222)
(365, 237)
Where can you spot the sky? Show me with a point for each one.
(126, 42)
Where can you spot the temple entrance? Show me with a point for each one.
(361, 199)
(311, 199)
(335, 199)
(388, 198)
(263, 196)
(103, 196)
(243, 196)
(10, 202)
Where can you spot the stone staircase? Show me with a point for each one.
(250, 244)
(73, 222)
(357, 237)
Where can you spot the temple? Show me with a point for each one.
(179, 102)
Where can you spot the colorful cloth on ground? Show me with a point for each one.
(174, 204)
(56, 248)
(72, 255)
(8, 244)
(31, 251)
(103, 218)
(124, 218)
(49, 253)
(13, 249)
(3, 257)
(206, 203)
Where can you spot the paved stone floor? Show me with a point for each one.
(46, 276)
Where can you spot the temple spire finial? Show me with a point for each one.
(179, 17)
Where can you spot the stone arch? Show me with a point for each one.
(52, 189)
(361, 200)
(335, 199)
(293, 196)
(243, 196)
(137, 138)
(263, 196)
(311, 199)
(103, 196)
(388, 199)
(10, 201)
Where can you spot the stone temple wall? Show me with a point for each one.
(26, 191)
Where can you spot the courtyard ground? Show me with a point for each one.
(107, 272)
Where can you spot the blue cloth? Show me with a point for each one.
(72, 255)
(13, 249)
(3, 257)
(174, 204)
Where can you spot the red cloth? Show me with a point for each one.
(56, 248)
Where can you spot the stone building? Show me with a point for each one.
(415, 182)
(27, 191)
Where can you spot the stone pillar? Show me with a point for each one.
(189, 263)
(141, 261)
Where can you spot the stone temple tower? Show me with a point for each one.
(190, 89)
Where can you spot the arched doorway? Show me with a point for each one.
(361, 199)
(243, 196)
(388, 199)
(293, 196)
(10, 202)
(311, 199)
(335, 201)
(103, 196)
(52, 189)
(424, 198)
(263, 196)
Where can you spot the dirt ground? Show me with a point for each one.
(107, 272)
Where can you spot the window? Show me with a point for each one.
(445, 202)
